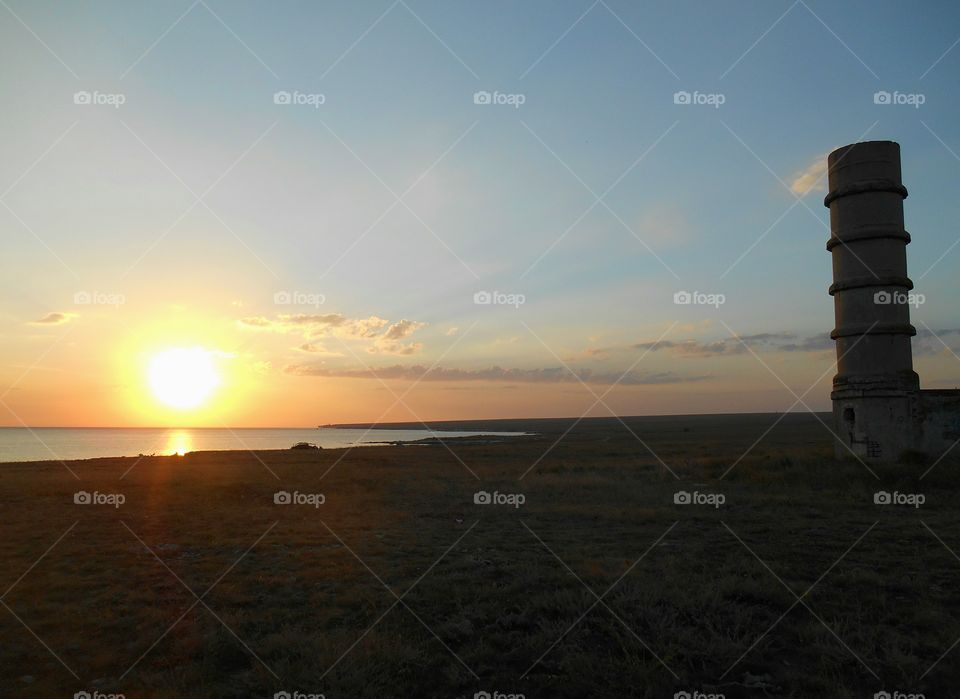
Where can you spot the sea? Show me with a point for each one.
(63, 443)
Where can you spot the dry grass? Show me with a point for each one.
(295, 611)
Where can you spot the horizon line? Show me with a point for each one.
(403, 422)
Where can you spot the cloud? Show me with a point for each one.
(925, 343)
(814, 343)
(54, 318)
(547, 375)
(315, 325)
(767, 342)
(390, 342)
(691, 347)
(928, 343)
(385, 337)
(401, 329)
(813, 178)
(697, 348)
(255, 322)
(399, 348)
(316, 348)
(451, 332)
(664, 226)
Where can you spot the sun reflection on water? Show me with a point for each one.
(179, 443)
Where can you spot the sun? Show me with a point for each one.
(183, 377)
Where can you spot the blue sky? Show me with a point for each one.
(500, 197)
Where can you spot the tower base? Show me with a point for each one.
(880, 424)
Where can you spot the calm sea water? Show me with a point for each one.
(44, 443)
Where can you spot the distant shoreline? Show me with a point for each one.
(431, 424)
(28, 445)
(525, 424)
(75, 444)
(202, 454)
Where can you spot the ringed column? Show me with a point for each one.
(875, 389)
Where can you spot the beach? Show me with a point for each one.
(634, 558)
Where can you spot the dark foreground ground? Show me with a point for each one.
(400, 585)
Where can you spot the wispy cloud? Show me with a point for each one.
(316, 348)
(928, 343)
(664, 226)
(694, 348)
(547, 375)
(925, 343)
(814, 343)
(54, 318)
(813, 178)
(782, 342)
(391, 341)
(384, 337)
(318, 324)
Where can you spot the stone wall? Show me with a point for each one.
(939, 421)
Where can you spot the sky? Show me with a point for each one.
(426, 210)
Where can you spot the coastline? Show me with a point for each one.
(22, 445)
(201, 454)
(463, 432)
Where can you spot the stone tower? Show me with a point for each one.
(876, 391)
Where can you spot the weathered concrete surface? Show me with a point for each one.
(878, 409)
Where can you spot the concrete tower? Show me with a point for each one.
(875, 392)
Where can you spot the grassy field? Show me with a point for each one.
(400, 585)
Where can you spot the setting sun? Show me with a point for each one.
(183, 378)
